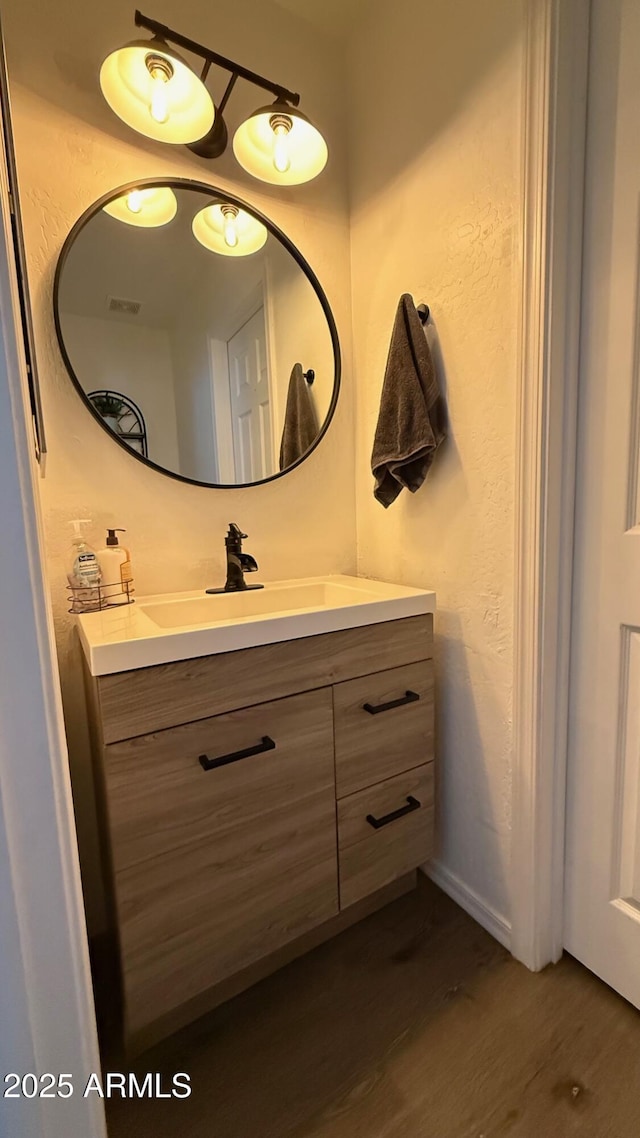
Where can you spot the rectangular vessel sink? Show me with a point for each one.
(182, 626)
(274, 599)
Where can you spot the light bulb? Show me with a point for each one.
(145, 207)
(134, 201)
(281, 125)
(160, 71)
(226, 229)
(281, 159)
(158, 108)
(230, 231)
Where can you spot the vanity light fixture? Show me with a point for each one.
(151, 88)
(279, 144)
(146, 208)
(224, 228)
(155, 91)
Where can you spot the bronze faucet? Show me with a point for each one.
(238, 563)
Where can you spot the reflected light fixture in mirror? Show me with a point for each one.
(224, 228)
(278, 144)
(152, 89)
(146, 208)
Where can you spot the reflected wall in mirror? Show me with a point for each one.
(194, 309)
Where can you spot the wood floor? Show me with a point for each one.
(413, 1024)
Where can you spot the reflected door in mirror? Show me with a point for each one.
(250, 401)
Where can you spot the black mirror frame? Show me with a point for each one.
(193, 184)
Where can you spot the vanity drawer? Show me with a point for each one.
(384, 832)
(160, 798)
(383, 725)
(151, 699)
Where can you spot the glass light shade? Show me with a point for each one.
(169, 103)
(216, 228)
(147, 208)
(274, 151)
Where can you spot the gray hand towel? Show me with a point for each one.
(300, 421)
(412, 417)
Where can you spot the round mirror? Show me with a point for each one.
(196, 333)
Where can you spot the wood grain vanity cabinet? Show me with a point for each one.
(255, 802)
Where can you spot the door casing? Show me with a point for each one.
(555, 100)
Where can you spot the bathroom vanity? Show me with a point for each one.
(264, 756)
(265, 774)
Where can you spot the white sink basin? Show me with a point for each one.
(278, 598)
(181, 626)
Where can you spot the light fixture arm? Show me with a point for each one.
(228, 89)
(236, 69)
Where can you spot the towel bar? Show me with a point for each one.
(423, 312)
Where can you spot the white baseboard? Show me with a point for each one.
(494, 923)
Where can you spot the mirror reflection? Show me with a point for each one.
(196, 335)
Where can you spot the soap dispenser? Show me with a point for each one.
(85, 577)
(115, 563)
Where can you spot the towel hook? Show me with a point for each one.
(423, 312)
(309, 375)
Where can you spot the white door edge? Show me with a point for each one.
(554, 149)
(46, 1003)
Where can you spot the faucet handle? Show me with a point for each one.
(235, 532)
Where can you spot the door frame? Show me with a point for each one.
(555, 116)
(219, 367)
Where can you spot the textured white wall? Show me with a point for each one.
(193, 402)
(134, 360)
(71, 149)
(297, 336)
(435, 185)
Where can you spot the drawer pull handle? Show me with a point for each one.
(208, 764)
(378, 823)
(375, 709)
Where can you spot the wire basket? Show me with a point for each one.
(95, 598)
